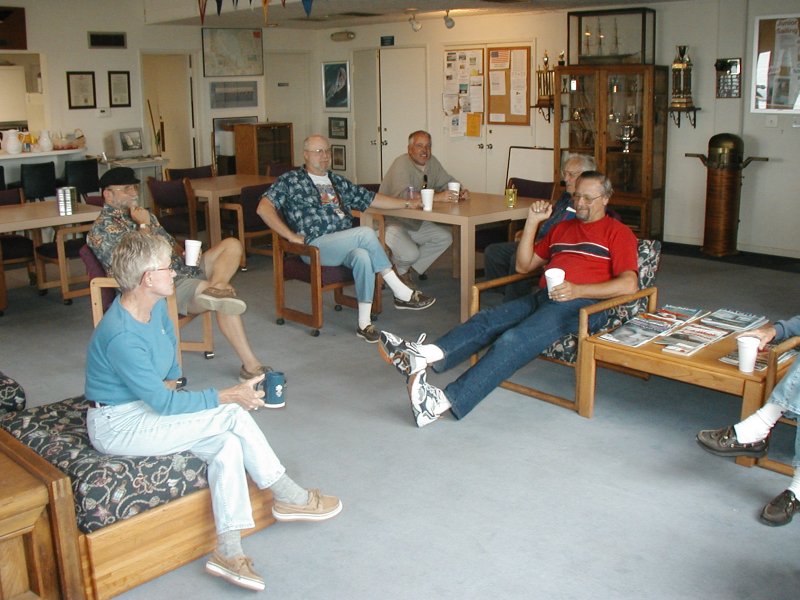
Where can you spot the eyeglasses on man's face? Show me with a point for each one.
(585, 198)
(319, 152)
(127, 189)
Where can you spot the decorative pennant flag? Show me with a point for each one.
(307, 5)
(283, 3)
(219, 7)
(265, 8)
(235, 4)
(201, 4)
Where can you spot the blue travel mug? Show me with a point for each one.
(274, 386)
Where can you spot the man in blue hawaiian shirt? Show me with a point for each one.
(312, 205)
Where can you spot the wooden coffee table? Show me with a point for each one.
(702, 368)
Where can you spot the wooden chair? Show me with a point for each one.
(247, 225)
(15, 249)
(565, 350)
(65, 247)
(288, 265)
(176, 208)
(102, 295)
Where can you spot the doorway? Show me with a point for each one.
(287, 94)
(167, 91)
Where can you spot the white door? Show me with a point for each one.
(404, 109)
(287, 94)
(366, 129)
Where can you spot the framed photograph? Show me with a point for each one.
(336, 86)
(775, 84)
(81, 90)
(232, 52)
(119, 88)
(337, 128)
(234, 94)
(338, 158)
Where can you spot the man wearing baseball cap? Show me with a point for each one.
(197, 289)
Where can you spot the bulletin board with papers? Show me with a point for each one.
(508, 78)
(462, 96)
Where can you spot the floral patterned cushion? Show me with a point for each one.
(107, 488)
(12, 396)
(566, 348)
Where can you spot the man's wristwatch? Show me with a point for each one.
(144, 225)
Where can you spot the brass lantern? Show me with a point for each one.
(681, 80)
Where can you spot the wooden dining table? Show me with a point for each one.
(466, 215)
(212, 189)
(35, 216)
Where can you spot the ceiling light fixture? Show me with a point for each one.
(343, 36)
(448, 22)
(415, 25)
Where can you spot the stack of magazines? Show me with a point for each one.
(733, 320)
(647, 326)
(691, 338)
(732, 358)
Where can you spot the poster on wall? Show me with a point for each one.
(776, 65)
(463, 91)
(336, 86)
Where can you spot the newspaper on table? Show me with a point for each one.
(639, 330)
(733, 320)
(689, 339)
(732, 358)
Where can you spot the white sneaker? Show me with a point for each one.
(405, 356)
(428, 402)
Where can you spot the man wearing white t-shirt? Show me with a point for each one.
(311, 205)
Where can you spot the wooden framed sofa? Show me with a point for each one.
(565, 350)
(116, 521)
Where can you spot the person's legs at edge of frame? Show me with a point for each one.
(750, 437)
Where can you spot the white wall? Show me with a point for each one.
(711, 28)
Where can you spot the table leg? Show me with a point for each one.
(467, 266)
(214, 225)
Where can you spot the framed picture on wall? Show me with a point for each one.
(336, 86)
(119, 88)
(337, 128)
(81, 90)
(775, 85)
(232, 52)
(338, 158)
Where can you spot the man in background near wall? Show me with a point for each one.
(417, 244)
(500, 258)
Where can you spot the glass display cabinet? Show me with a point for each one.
(260, 146)
(618, 114)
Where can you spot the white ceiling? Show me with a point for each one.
(349, 13)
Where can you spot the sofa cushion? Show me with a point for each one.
(107, 488)
(12, 396)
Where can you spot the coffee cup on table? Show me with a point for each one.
(274, 386)
(554, 277)
(454, 187)
(427, 199)
(748, 351)
(192, 254)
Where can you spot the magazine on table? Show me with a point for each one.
(733, 320)
(732, 358)
(692, 337)
(639, 330)
(679, 314)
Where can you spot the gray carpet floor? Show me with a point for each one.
(521, 499)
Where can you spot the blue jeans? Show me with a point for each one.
(359, 250)
(226, 437)
(787, 395)
(517, 332)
